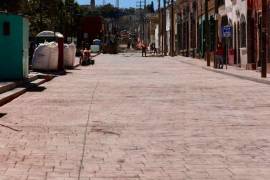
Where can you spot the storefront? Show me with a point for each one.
(254, 16)
(237, 18)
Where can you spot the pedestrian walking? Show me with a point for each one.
(144, 48)
(154, 49)
(219, 54)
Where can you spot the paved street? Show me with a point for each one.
(134, 118)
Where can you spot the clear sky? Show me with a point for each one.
(123, 3)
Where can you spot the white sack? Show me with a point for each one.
(46, 57)
(69, 55)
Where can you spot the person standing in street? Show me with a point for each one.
(154, 48)
(144, 49)
(219, 56)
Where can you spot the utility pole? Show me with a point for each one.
(216, 29)
(172, 29)
(144, 19)
(264, 38)
(117, 4)
(207, 33)
(142, 10)
(139, 6)
(93, 4)
(164, 28)
(159, 26)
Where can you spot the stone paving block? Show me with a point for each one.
(150, 119)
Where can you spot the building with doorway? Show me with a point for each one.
(254, 31)
(187, 19)
(243, 48)
(236, 17)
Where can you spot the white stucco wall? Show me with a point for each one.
(168, 20)
(156, 36)
(236, 8)
(168, 28)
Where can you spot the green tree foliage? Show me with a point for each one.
(58, 15)
(13, 5)
(53, 15)
(109, 11)
(43, 14)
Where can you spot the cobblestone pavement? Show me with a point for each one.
(133, 118)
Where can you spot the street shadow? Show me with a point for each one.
(76, 69)
(69, 72)
(2, 114)
(153, 56)
(51, 73)
(37, 89)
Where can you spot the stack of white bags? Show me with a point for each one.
(69, 54)
(45, 57)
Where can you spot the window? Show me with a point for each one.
(6, 28)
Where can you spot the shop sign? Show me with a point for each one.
(227, 31)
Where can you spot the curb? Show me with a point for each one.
(257, 80)
(262, 81)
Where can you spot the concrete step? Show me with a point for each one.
(35, 83)
(13, 92)
(8, 96)
(7, 86)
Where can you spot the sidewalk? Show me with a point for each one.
(251, 75)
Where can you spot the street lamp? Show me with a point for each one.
(207, 33)
(159, 25)
(172, 28)
(164, 28)
(62, 16)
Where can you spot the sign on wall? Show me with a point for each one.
(227, 31)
